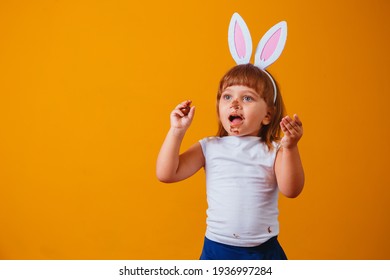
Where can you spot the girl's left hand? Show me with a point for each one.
(292, 130)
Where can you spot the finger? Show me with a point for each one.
(183, 104)
(297, 123)
(186, 103)
(192, 112)
(184, 107)
(291, 126)
(179, 106)
(297, 120)
(285, 130)
(288, 122)
(178, 113)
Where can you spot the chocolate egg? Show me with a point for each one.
(186, 110)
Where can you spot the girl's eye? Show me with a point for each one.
(226, 97)
(248, 98)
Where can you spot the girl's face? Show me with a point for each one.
(242, 111)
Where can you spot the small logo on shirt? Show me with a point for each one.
(269, 230)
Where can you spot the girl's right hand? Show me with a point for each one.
(180, 120)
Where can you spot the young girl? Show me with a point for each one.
(246, 165)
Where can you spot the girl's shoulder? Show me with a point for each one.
(207, 141)
(210, 139)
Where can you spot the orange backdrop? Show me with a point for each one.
(86, 88)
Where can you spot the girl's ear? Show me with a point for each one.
(271, 45)
(240, 41)
(267, 118)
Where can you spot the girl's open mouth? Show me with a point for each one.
(236, 119)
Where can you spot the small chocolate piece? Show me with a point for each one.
(186, 110)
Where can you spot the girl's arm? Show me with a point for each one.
(171, 166)
(288, 165)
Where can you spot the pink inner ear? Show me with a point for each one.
(271, 45)
(239, 41)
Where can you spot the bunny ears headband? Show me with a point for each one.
(268, 50)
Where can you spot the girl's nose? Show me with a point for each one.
(235, 104)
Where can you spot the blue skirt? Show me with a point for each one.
(269, 250)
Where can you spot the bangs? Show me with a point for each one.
(246, 75)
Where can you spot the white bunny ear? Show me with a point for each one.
(271, 45)
(240, 41)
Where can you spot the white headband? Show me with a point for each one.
(268, 50)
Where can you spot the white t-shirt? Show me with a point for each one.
(242, 192)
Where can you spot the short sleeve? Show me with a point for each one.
(203, 144)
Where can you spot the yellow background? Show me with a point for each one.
(86, 88)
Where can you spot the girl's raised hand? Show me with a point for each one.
(182, 115)
(292, 130)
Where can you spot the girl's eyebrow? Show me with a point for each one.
(250, 91)
(226, 90)
(244, 91)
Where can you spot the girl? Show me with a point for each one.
(246, 165)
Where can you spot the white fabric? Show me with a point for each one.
(242, 192)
